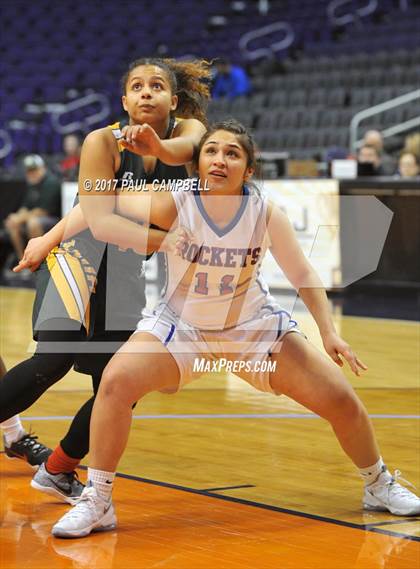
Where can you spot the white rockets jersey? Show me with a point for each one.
(215, 283)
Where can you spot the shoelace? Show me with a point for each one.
(396, 486)
(85, 504)
(30, 440)
(72, 477)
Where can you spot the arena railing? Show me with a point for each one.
(353, 14)
(382, 107)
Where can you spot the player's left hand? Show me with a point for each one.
(141, 139)
(336, 347)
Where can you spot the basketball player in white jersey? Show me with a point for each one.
(216, 305)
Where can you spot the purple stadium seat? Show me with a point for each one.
(79, 52)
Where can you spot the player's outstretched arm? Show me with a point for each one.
(148, 206)
(175, 151)
(288, 254)
(38, 248)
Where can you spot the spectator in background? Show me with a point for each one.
(408, 165)
(41, 208)
(69, 165)
(412, 144)
(229, 81)
(369, 161)
(374, 138)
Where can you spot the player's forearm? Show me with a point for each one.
(54, 236)
(176, 151)
(75, 222)
(127, 234)
(70, 225)
(316, 301)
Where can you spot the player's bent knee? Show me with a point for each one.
(347, 407)
(114, 386)
(123, 386)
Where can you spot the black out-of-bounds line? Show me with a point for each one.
(394, 523)
(228, 487)
(362, 527)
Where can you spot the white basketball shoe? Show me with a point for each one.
(91, 514)
(386, 494)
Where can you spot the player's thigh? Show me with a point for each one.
(306, 375)
(142, 365)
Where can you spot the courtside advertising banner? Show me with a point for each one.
(312, 207)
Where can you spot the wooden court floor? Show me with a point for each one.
(222, 476)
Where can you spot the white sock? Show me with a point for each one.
(12, 429)
(103, 482)
(371, 473)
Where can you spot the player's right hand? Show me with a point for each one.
(177, 240)
(34, 254)
(141, 139)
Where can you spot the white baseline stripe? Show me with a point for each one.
(227, 416)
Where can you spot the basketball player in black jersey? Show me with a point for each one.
(90, 288)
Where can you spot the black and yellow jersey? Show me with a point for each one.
(107, 289)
